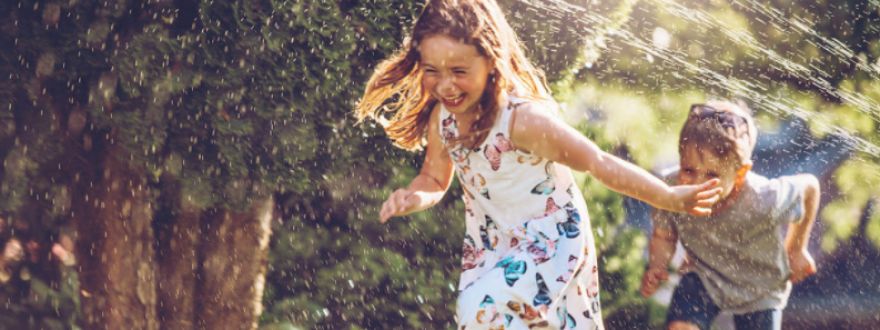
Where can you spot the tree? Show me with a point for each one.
(144, 127)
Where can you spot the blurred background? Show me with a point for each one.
(179, 164)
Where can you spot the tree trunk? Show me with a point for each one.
(178, 266)
(113, 212)
(235, 251)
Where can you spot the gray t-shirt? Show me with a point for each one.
(739, 253)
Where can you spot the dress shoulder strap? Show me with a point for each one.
(506, 114)
(448, 127)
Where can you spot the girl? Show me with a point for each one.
(463, 84)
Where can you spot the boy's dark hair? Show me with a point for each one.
(724, 128)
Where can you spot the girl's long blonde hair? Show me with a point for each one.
(396, 85)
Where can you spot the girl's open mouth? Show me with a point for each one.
(452, 102)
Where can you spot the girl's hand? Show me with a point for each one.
(400, 202)
(696, 199)
(652, 279)
(801, 264)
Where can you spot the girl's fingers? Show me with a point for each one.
(400, 202)
(388, 208)
(383, 214)
(700, 211)
(395, 204)
(709, 184)
(709, 194)
(392, 206)
(404, 199)
(706, 203)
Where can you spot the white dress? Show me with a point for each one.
(529, 259)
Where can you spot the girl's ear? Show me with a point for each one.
(493, 75)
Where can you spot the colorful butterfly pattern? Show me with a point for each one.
(493, 151)
(488, 313)
(488, 233)
(569, 228)
(568, 321)
(542, 299)
(513, 269)
(522, 224)
(548, 186)
(572, 264)
(472, 257)
(542, 248)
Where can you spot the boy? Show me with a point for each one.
(737, 260)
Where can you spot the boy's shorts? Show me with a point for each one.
(691, 303)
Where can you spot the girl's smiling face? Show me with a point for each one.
(453, 72)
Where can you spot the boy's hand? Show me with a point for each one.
(802, 265)
(400, 202)
(652, 279)
(696, 199)
(686, 265)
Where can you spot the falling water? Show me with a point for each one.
(831, 45)
(752, 90)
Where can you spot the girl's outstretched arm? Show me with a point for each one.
(539, 132)
(428, 188)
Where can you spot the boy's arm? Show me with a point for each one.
(800, 261)
(427, 188)
(537, 131)
(661, 248)
(660, 252)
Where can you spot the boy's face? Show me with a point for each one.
(698, 166)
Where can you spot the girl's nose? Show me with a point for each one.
(445, 86)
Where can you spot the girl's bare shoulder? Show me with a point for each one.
(530, 115)
(434, 120)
